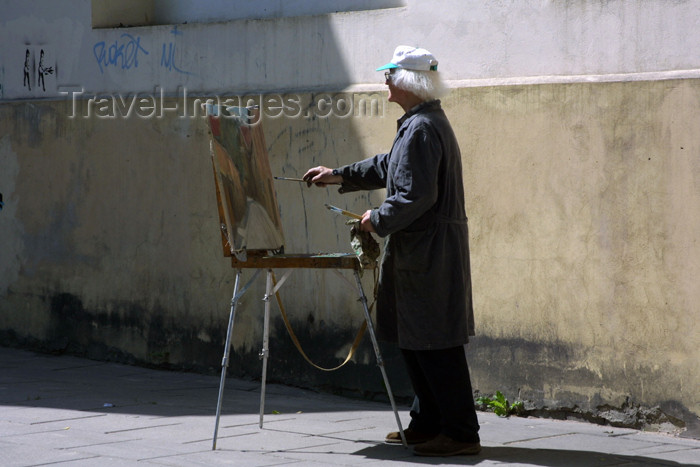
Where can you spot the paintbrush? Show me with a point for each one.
(290, 179)
(343, 212)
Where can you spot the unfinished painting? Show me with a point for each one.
(247, 202)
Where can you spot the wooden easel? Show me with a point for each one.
(259, 260)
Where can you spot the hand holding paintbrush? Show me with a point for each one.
(319, 176)
(322, 176)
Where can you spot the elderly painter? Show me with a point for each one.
(424, 301)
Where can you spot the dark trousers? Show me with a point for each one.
(441, 382)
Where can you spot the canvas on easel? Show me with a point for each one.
(248, 209)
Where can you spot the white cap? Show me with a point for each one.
(411, 58)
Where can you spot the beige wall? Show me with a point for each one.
(582, 201)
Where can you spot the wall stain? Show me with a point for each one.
(514, 366)
(77, 330)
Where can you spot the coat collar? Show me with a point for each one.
(425, 106)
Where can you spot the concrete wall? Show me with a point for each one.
(580, 161)
(585, 233)
(473, 40)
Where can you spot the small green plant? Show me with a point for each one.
(500, 405)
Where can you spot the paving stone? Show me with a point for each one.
(53, 411)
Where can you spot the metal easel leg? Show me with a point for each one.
(380, 362)
(224, 361)
(266, 335)
(227, 349)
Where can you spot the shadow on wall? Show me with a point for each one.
(120, 253)
(115, 13)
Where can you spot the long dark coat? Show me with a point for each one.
(425, 296)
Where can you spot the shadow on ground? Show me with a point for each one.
(507, 455)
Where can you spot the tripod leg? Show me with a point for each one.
(224, 361)
(380, 362)
(265, 350)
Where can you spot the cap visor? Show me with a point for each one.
(388, 66)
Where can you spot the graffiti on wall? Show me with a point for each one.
(33, 68)
(122, 53)
(43, 71)
(167, 56)
(28, 71)
(38, 70)
(126, 50)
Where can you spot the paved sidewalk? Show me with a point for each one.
(71, 411)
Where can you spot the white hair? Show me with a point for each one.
(427, 85)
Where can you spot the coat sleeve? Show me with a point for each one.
(414, 172)
(369, 174)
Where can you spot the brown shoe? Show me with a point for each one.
(412, 437)
(443, 446)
